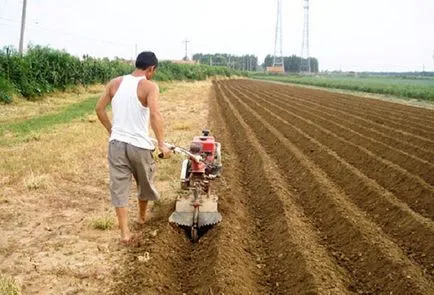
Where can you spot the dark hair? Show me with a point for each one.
(146, 59)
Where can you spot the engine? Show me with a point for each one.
(210, 151)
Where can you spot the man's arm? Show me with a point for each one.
(101, 106)
(156, 119)
(154, 110)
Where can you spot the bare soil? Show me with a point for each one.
(368, 206)
(322, 193)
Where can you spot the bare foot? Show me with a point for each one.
(144, 218)
(129, 240)
(140, 221)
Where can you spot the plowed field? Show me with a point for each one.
(321, 193)
(325, 193)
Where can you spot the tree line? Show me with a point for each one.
(294, 64)
(246, 62)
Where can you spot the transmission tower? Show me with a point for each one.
(186, 48)
(305, 44)
(278, 52)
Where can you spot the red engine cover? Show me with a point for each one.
(208, 147)
(207, 143)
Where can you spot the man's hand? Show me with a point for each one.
(165, 152)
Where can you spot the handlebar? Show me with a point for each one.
(177, 149)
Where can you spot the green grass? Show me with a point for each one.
(8, 286)
(419, 88)
(32, 126)
(106, 222)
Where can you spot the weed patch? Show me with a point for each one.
(105, 222)
(8, 286)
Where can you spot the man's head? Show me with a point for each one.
(148, 62)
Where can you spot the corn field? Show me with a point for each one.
(43, 70)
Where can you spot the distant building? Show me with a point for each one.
(275, 70)
(185, 62)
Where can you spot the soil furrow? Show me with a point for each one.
(401, 121)
(406, 148)
(378, 121)
(387, 174)
(168, 254)
(238, 243)
(414, 166)
(377, 263)
(409, 229)
(293, 244)
(412, 113)
(375, 127)
(400, 124)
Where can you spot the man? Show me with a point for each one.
(134, 100)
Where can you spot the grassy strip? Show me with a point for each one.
(405, 88)
(48, 121)
(8, 286)
(19, 131)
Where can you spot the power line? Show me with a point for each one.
(37, 26)
(3, 9)
(8, 25)
(8, 19)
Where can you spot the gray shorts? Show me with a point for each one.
(126, 160)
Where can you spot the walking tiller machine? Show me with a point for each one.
(198, 208)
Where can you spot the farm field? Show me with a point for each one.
(321, 193)
(337, 190)
(421, 88)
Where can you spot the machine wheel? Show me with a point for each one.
(194, 234)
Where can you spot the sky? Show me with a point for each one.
(351, 35)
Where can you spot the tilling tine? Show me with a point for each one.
(199, 207)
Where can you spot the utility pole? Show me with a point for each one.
(186, 48)
(23, 25)
(305, 44)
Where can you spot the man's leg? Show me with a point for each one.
(122, 214)
(120, 181)
(143, 171)
(143, 205)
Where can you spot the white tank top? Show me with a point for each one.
(130, 117)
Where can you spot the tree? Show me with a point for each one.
(244, 62)
(293, 64)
